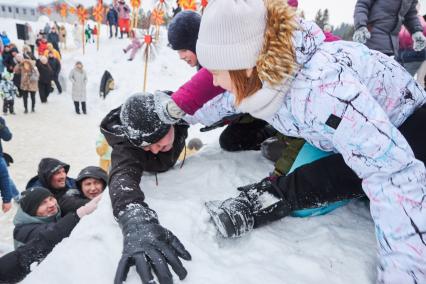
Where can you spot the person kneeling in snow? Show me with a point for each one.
(91, 182)
(52, 174)
(143, 140)
(38, 228)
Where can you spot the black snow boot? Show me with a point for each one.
(257, 205)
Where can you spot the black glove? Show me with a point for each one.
(224, 121)
(8, 158)
(148, 245)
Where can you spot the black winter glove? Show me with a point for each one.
(148, 245)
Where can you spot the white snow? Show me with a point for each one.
(337, 248)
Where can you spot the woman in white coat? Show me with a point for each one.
(78, 78)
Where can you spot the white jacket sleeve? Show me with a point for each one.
(214, 110)
(343, 111)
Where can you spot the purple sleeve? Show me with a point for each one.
(196, 92)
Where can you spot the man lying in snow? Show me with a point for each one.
(141, 141)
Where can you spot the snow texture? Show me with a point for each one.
(336, 248)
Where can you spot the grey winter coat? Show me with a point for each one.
(384, 18)
(79, 80)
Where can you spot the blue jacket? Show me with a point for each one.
(112, 17)
(5, 40)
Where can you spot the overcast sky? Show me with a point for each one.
(340, 10)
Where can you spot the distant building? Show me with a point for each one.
(28, 10)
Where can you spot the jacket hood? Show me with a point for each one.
(92, 172)
(112, 128)
(47, 167)
(306, 41)
(22, 218)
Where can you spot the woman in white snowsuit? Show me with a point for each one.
(78, 78)
(340, 97)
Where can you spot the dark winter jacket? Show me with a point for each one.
(53, 38)
(27, 227)
(129, 162)
(15, 265)
(39, 238)
(46, 72)
(112, 17)
(384, 18)
(46, 168)
(5, 133)
(55, 65)
(8, 60)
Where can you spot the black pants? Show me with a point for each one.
(25, 98)
(246, 134)
(8, 105)
(58, 85)
(77, 107)
(329, 179)
(110, 30)
(44, 91)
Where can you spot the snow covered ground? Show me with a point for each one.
(337, 248)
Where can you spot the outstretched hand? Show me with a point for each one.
(150, 247)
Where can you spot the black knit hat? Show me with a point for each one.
(140, 121)
(183, 30)
(32, 198)
(92, 172)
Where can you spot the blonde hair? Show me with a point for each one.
(277, 59)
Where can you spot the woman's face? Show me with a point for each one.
(221, 78)
(48, 207)
(92, 187)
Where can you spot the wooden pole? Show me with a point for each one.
(157, 32)
(146, 67)
(82, 33)
(98, 35)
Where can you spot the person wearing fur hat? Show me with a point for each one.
(38, 228)
(141, 142)
(333, 96)
(91, 182)
(52, 174)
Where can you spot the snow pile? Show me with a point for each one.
(336, 248)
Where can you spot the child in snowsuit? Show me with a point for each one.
(135, 45)
(88, 32)
(78, 78)
(340, 97)
(8, 91)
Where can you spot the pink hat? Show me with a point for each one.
(293, 3)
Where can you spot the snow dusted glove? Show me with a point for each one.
(361, 35)
(254, 207)
(419, 41)
(168, 111)
(149, 246)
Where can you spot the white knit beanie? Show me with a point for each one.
(231, 34)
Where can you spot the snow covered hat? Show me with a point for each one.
(32, 198)
(231, 34)
(141, 123)
(183, 30)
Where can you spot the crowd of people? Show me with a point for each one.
(281, 85)
(37, 68)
